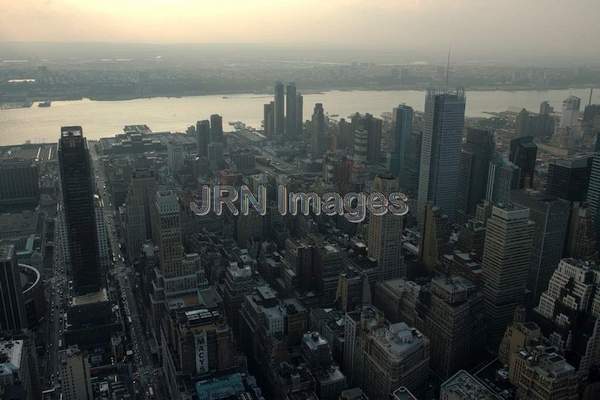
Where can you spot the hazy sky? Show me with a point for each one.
(562, 28)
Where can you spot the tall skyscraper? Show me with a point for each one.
(279, 126)
(216, 129)
(373, 127)
(166, 233)
(570, 112)
(299, 114)
(19, 183)
(506, 258)
(593, 193)
(140, 196)
(434, 237)
(523, 153)
(77, 186)
(503, 177)
(440, 151)
(291, 122)
(477, 152)
(12, 309)
(203, 137)
(402, 119)
(269, 119)
(385, 234)
(551, 217)
(319, 131)
(568, 179)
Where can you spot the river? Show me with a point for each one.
(105, 118)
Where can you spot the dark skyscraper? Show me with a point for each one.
(203, 137)
(77, 185)
(568, 179)
(475, 159)
(279, 126)
(216, 128)
(402, 118)
(299, 114)
(19, 183)
(319, 128)
(443, 124)
(290, 111)
(12, 310)
(523, 153)
(268, 119)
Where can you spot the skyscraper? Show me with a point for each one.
(299, 114)
(440, 151)
(319, 131)
(385, 234)
(77, 185)
(291, 122)
(523, 153)
(268, 119)
(551, 217)
(503, 177)
(402, 118)
(279, 126)
(593, 193)
(476, 155)
(140, 196)
(19, 183)
(506, 258)
(203, 137)
(570, 112)
(216, 129)
(568, 179)
(166, 233)
(12, 309)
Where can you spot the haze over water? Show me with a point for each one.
(106, 118)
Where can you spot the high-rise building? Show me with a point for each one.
(503, 177)
(19, 183)
(385, 234)
(506, 258)
(402, 126)
(477, 152)
(464, 386)
(373, 127)
(203, 137)
(523, 153)
(138, 222)
(569, 311)
(12, 309)
(551, 217)
(581, 237)
(17, 374)
(291, 121)
(299, 114)
(166, 233)
(568, 179)
(319, 131)
(269, 119)
(440, 151)
(435, 235)
(216, 129)
(279, 126)
(593, 193)
(570, 112)
(77, 185)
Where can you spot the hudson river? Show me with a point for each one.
(106, 118)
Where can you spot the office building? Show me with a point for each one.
(203, 137)
(551, 217)
(506, 259)
(402, 126)
(523, 153)
(476, 155)
(385, 234)
(570, 112)
(166, 232)
(435, 235)
(269, 119)
(318, 131)
(568, 179)
(279, 125)
(19, 183)
(138, 223)
(440, 151)
(216, 129)
(503, 177)
(12, 308)
(464, 386)
(581, 237)
(291, 120)
(299, 115)
(593, 193)
(78, 190)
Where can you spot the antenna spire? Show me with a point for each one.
(448, 68)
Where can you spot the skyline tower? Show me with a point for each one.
(291, 122)
(141, 192)
(216, 129)
(402, 120)
(77, 184)
(319, 131)
(443, 125)
(203, 137)
(523, 153)
(279, 125)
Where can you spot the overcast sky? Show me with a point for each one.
(473, 28)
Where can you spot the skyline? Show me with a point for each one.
(510, 29)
